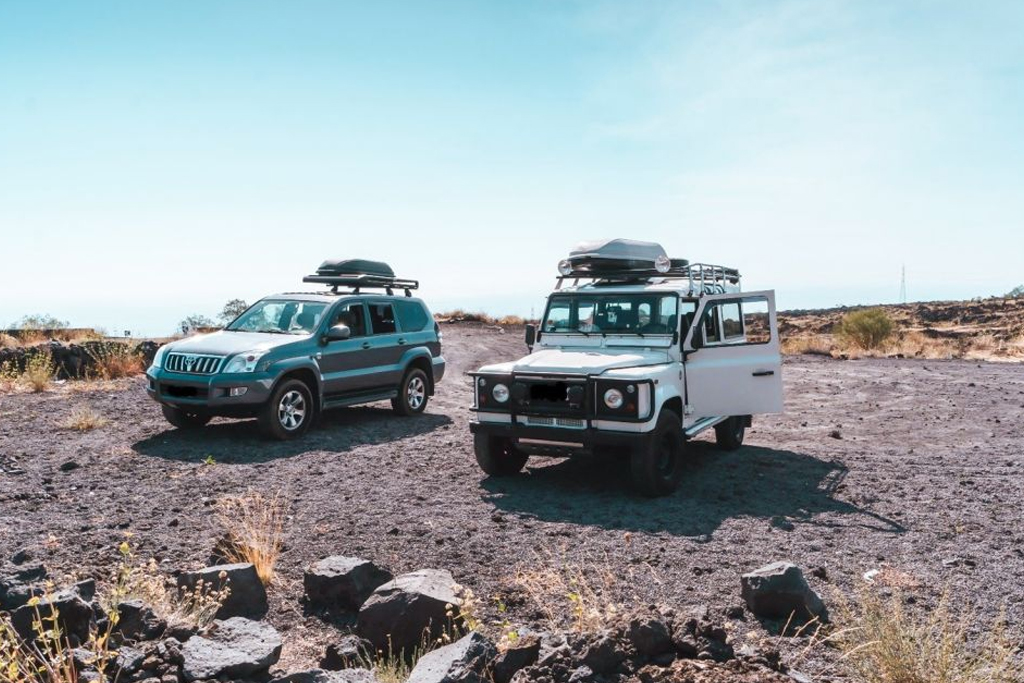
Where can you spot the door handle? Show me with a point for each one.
(401, 341)
(366, 345)
(763, 373)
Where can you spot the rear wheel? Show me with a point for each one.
(729, 434)
(498, 457)
(185, 419)
(289, 412)
(658, 468)
(412, 394)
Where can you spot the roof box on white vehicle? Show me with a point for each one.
(615, 256)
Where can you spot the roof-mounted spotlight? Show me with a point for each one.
(565, 267)
(663, 264)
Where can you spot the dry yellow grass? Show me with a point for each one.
(114, 360)
(39, 371)
(83, 419)
(817, 344)
(569, 598)
(882, 641)
(253, 524)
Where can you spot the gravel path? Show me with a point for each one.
(914, 464)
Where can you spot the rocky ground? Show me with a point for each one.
(913, 466)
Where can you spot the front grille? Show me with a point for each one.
(192, 364)
(567, 422)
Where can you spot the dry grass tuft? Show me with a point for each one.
(83, 419)
(7, 341)
(884, 643)
(114, 360)
(254, 527)
(569, 598)
(39, 371)
(818, 345)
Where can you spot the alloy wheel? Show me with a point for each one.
(416, 393)
(291, 411)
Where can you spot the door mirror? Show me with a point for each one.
(531, 336)
(339, 333)
(697, 342)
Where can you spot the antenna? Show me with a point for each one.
(903, 284)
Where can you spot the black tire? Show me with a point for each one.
(498, 457)
(657, 469)
(729, 434)
(413, 393)
(185, 419)
(289, 412)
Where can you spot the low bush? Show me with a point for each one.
(867, 329)
(39, 371)
(83, 419)
(114, 360)
(817, 345)
(254, 524)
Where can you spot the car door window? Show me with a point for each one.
(711, 326)
(382, 318)
(353, 315)
(742, 321)
(732, 320)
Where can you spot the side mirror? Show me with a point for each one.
(698, 340)
(339, 333)
(531, 336)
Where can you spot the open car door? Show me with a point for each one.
(733, 365)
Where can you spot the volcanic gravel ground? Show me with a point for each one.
(916, 465)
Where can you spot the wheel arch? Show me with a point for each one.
(421, 360)
(308, 376)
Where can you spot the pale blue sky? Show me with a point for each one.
(158, 158)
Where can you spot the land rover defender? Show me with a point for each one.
(636, 353)
(290, 356)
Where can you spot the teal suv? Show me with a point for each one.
(291, 356)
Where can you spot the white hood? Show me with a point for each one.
(580, 361)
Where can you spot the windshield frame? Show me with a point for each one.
(615, 296)
(259, 306)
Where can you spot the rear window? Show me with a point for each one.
(412, 316)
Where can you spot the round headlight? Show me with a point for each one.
(500, 393)
(613, 399)
(564, 267)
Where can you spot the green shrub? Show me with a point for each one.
(866, 329)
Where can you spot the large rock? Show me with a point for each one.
(234, 648)
(649, 634)
(74, 616)
(404, 612)
(21, 586)
(344, 582)
(779, 590)
(522, 653)
(321, 676)
(246, 598)
(137, 621)
(465, 661)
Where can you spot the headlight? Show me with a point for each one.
(244, 362)
(158, 359)
(500, 393)
(613, 399)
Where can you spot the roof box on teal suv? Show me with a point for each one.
(290, 356)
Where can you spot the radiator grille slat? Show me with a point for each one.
(193, 364)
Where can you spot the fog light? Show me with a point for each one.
(237, 391)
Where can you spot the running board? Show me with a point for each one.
(356, 399)
(706, 423)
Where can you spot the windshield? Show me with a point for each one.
(280, 317)
(640, 314)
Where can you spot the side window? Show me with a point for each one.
(756, 322)
(711, 326)
(382, 318)
(351, 314)
(732, 320)
(411, 316)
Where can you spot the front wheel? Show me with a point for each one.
(498, 457)
(289, 412)
(185, 419)
(412, 394)
(729, 433)
(658, 468)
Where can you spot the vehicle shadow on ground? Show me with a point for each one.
(782, 486)
(239, 441)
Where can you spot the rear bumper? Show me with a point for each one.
(559, 442)
(438, 366)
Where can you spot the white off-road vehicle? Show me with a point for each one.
(636, 353)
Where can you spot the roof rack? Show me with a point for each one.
(703, 278)
(360, 274)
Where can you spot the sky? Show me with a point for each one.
(160, 158)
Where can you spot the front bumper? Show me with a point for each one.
(212, 394)
(560, 442)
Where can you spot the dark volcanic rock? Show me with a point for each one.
(400, 612)
(137, 621)
(650, 635)
(321, 676)
(18, 588)
(348, 652)
(521, 654)
(234, 648)
(779, 590)
(603, 654)
(344, 582)
(464, 661)
(247, 597)
(74, 616)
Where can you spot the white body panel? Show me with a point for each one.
(734, 378)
